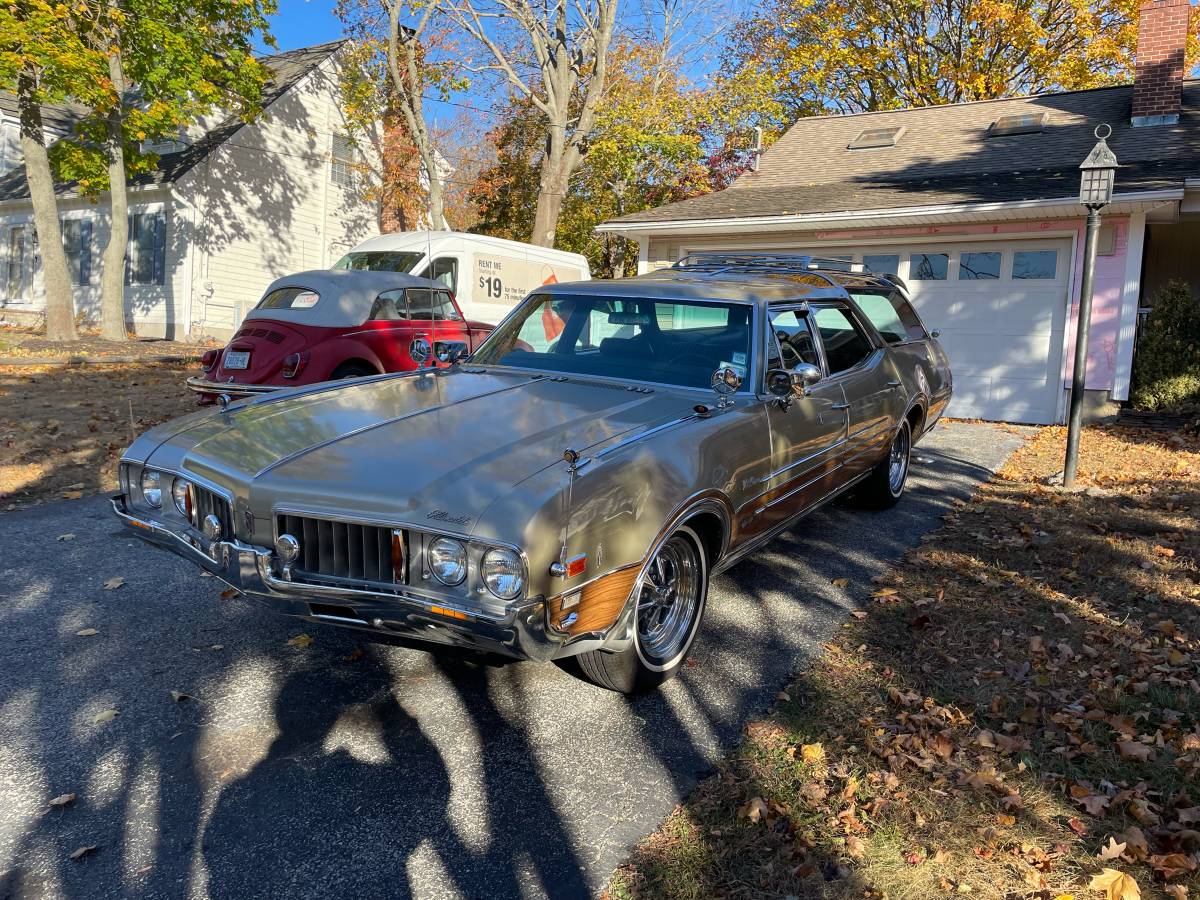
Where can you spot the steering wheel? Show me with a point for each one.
(791, 357)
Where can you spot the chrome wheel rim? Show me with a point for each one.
(898, 462)
(669, 599)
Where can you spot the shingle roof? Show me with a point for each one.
(945, 156)
(286, 70)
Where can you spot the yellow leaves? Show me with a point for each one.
(106, 716)
(856, 847)
(301, 641)
(1111, 850)
(1115, 885)
(813, 754)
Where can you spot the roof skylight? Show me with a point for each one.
(873, 138)
(1020, 123)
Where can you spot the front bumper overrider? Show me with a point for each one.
(254, 571)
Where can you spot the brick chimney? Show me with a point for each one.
(1158, 82)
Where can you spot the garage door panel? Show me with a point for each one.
(1022, 355)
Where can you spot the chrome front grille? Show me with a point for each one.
(206, 503)
(346, 551)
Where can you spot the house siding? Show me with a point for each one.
(266, 207)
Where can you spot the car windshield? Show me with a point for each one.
(668, 342)
(379, 260)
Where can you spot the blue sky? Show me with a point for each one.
(301, 23)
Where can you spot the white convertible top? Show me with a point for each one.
(346, 295)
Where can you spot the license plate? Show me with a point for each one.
(236, 359)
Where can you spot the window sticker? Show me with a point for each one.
(305, 301)
(739, 367)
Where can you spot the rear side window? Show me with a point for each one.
(388, 307)
(845, 344)
(892, 315)
(290, 298)
(424, 303)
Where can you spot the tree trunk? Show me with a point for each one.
(112, 276)
(552, 188)
(56, 279)
(436, 193)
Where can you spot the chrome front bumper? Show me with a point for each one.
(522, 633)
(204, 386)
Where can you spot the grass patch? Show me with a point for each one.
(1023, 688)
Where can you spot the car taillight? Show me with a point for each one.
(293, 363)
(208, 361)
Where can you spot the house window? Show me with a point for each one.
(928, 266)
(342, 161)
(873, 138)
(77, 241)
(18, 264)
(145, 257)
(882, 263)
(1035, 264)
(979, 266)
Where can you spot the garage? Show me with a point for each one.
(1000, 308)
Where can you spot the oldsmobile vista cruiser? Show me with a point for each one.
(570, 489)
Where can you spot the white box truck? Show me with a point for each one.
(488, 275)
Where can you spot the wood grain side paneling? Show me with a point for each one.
(600, 603)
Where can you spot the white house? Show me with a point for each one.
(230, 207)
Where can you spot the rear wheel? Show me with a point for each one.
(670, 597)
(352, 370)
(884, 486)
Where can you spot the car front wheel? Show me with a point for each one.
(671, 596)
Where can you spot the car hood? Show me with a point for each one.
(439, 448)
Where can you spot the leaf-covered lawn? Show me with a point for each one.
(1017, 714)
(62, 429)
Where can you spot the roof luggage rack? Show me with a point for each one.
(715, 261)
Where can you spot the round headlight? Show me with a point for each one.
(179, 493)
(448, 561)
(503, 573)
(152, 488)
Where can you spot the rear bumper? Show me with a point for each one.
(522, 633)
(204, 386)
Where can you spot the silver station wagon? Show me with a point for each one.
(570, 489)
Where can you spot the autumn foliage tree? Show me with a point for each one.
(817, 56)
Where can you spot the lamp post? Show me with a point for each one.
(1098, 172)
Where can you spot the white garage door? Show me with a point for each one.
(1001, 309)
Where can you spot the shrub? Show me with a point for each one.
(1166, 372)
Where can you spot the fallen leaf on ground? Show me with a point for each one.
(1134, 750)
(813, 754)
(65, 537)
(86, 632)
(179, 696)
(856, 847)
(840, 582)
(229, 593)
(859, 614)
(81, 852)
(1176, 891)
(1170, 865)
(755, 809)
(1111, 850)
(62, 800)
(1116, 885)
(107, 716)
(300, 641)
(113, 583)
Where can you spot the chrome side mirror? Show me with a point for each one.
(450, 352)
(782, 383)
(725, 381)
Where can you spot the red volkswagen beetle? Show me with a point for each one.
(325, 325)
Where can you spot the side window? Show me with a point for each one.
(445, 270)
(420, 303)
(891, 314)
(793, 342)
(443, 307)
(845, 344)
(388, 307)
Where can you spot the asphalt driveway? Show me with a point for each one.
(349, 769)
